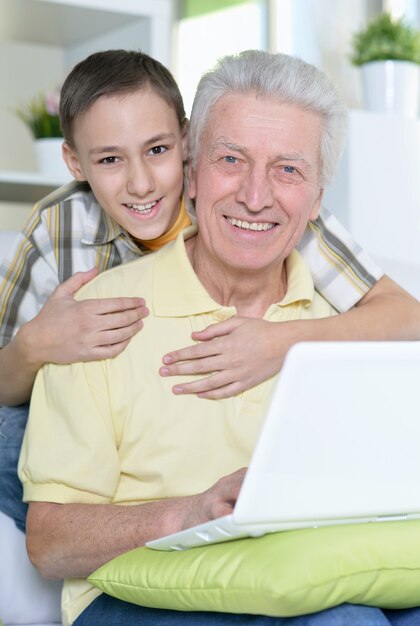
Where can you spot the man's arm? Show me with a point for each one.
(66, 331)
(72, 540)
(236, 363)
(69, 539)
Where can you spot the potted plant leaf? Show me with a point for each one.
(41, 116)
(388, 53)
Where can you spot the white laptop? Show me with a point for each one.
(340, 444)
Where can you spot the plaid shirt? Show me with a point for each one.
(68, 232)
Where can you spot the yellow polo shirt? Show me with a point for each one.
(113, 432)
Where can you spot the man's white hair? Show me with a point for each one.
(281, 77)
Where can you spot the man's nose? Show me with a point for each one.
(140, 180)
(254, 190)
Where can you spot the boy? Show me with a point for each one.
(124, 130)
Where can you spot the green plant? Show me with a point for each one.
(385, 38)
(41, 115)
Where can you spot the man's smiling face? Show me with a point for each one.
(257, 181)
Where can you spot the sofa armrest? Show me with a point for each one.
(25, 596)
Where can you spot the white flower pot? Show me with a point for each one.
(392, 87)
(50, 160)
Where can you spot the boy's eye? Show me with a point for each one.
(158, 149)
(109, 160)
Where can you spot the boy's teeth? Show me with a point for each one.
(250, 226)
(142, 207)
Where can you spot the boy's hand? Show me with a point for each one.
(239, 353)
(66, 330)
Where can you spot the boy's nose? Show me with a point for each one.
(140, 181)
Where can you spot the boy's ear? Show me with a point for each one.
(72, 161)
(185, 140)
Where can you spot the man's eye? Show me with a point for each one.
(289, 169)
(230, 159)
(158, 149)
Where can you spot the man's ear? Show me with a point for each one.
(317, 206)
(72, 162)
(192, 187)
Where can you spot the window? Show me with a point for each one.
(210, 29)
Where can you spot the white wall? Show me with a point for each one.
(320, 32)
(25, 70)
(135, 36)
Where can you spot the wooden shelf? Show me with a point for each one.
(65, 31)
(27, 186)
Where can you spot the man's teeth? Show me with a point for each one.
(250, 226)
(142, 208)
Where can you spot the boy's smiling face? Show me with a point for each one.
(130, 148)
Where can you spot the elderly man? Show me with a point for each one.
(267, 132)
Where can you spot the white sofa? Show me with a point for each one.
(405, 274)
(28, 599)
(25, 597)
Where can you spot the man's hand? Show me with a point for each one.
(72, 540)
(217, 501)
(239, 353)
(66, 330)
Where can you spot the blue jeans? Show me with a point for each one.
(12, 426)
(108, 611)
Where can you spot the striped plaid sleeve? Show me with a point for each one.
(342, 271)
(26, 279)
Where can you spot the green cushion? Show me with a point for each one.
(283, 574)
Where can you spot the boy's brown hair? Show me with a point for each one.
(114, 72)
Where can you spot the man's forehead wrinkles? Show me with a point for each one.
(293, 157)
(225, 142)
(264, 120)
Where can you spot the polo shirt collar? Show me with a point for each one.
(177, 291)
(300, 285)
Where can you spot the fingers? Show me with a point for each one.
(76, 332)
(104, 306)
(189, 368)
(106, 345)
(100, 306)
(109, 351)
(224, 493)
(215, 387)
(217, 330)
(120, 318)
(115, 336)
(205, 358)
(75, 282)
(200, 350)
(190, 353)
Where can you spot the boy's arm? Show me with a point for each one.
(386, 312)
(344, 274)
(65, 331)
